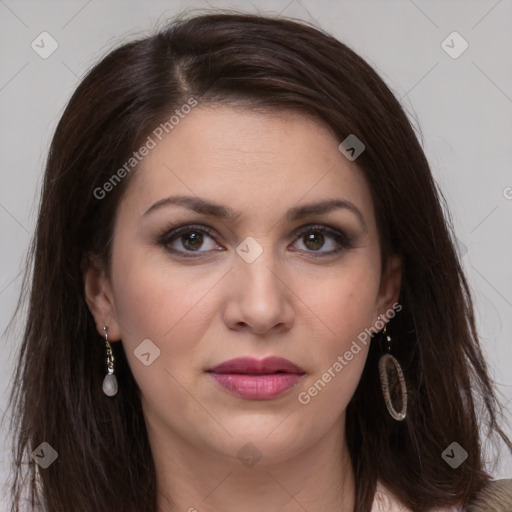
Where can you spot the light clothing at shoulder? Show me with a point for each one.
(385, 501)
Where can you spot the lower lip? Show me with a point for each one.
(257, 387)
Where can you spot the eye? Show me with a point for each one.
(314, 238)
(191, 238)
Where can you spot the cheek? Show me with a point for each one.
(345, 303)
(161, 304)
(345, 308)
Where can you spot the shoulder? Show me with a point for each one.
(385, 501)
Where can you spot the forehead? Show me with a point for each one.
(251, 161)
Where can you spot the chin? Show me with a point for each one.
(264, 441)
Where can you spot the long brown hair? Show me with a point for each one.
(104, 461)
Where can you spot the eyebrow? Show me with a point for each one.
(212, 209)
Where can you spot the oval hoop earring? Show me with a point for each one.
(390, 372)
(110, 381)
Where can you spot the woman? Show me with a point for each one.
(245, 294)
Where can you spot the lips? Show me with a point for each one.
(249, 365)
(255, 379)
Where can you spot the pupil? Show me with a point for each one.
(196, 239)
(311, 238)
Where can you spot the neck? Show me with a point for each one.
(193, 479)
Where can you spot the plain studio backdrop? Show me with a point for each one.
(448, 62)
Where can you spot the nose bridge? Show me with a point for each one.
(259, 290)
(256, 263)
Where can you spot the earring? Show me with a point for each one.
(390, 370)
(110, 380)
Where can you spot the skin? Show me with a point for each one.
(292, 301)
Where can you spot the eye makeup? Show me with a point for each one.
(171, 235)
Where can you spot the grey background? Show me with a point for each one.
(462, 106)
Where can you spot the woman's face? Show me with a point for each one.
(263, 282)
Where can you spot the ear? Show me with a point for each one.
(99, 297)
(390, 284)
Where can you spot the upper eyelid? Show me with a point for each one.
(211, 231)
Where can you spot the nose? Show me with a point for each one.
(258, 298)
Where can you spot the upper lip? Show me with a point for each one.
(251, 365)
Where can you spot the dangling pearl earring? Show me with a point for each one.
(110, 380)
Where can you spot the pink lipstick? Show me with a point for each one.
(257, 379)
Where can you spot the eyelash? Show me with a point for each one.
(344, 242)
